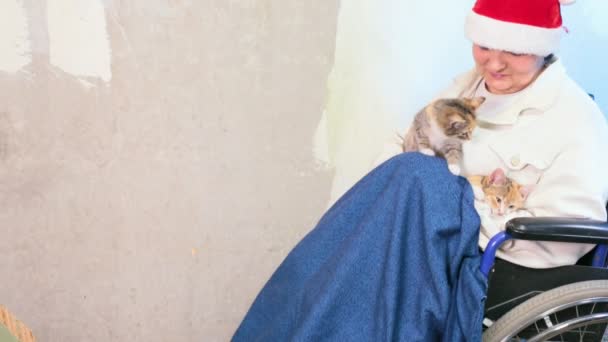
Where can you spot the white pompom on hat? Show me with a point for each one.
(519, 26)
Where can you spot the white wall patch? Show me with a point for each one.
(15, 44)
(78, 37)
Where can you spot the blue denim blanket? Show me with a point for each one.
(395, 259)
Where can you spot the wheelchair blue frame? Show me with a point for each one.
(489, 255)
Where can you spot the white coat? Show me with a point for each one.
(553, 136)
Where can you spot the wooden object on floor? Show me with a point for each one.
(15, 327)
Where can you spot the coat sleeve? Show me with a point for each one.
(574, 185)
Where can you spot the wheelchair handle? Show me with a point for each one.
(550, 229)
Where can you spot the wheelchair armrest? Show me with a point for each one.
(558, 229)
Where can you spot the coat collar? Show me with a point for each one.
(538, 96)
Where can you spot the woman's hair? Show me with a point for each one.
(549, 59)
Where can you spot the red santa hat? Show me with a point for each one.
(520, 26)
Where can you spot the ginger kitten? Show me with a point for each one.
(502, 194)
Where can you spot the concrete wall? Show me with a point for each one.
(156, 155)
(153, 204)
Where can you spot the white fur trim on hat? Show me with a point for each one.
(567, 2)
(512, 37)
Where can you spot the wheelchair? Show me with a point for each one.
(567, 303)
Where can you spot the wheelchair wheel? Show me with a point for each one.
(574, 312)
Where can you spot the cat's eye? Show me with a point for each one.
(498, 199)
(511, 207)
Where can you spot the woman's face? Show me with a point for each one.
(505, 72)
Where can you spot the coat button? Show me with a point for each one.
(515, 161)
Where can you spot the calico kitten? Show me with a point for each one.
(503, 195)
(441, 127)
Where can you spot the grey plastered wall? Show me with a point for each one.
(155, 206)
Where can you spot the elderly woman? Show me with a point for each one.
(536, 123)
(397, 257)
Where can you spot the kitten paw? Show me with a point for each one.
(427, 151)
(454, 169)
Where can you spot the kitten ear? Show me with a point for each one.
(525, 190)
(477, 101)
(497, 177)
